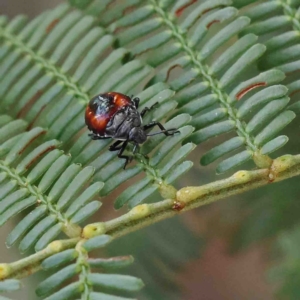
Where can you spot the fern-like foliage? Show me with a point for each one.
(219, 95)
(77, 262)
(160, 270)
(277, 24)
(34, 173)
(9, 285)
(63, 61)
(51, 66)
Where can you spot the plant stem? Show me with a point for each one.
(191, 197)
(188, 198)
(71, 230)
(31, 264)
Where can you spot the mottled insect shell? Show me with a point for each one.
(102, 108)
(114, 115)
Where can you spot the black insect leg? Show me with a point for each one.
(143, 112)
(136, 102)
(165, 131)
(128, 158)
(98, 137)
(116, 146)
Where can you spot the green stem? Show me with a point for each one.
(71, 230)
(30, 264)
(85, 270)
(191, 197)
(60, 76)
(188, 198)
(211, 81)
(291, 13)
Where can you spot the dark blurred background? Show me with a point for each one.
(31, 8)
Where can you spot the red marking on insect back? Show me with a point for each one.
(181, 9)
(52, 25)
(120, 100)
(243, 92)
(97, 122)
(211, 23)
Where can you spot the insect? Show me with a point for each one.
(114, 115)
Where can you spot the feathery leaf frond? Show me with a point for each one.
(52, 66)
(35, 173)
(167, 242)
(77, 262)
(62, 81)
(215, 94)
(9, 285)
(277, 24)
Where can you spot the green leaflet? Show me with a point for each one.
(114, 281)
(26, 223)
(111, 263)
(9, 285)
(236, 50)
(49, 235)
(85, 212)
(223, 36)
(88, 194)
(45, 163)
(23, 165)
(96, 242)
(267, 26)
(51, 67)
(101, 296)
(80, 267)
(248, 58)
(220, 150)
(36, 232)
(59, 259)
(70, 291)
(203, 84)
(76, 185)
(16, 208)
(52, 282)
(52, 71)
(233, 161)
(277, 124)
(274, 144)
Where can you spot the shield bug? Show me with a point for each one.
(115, 116)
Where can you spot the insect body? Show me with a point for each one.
(114, 115)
